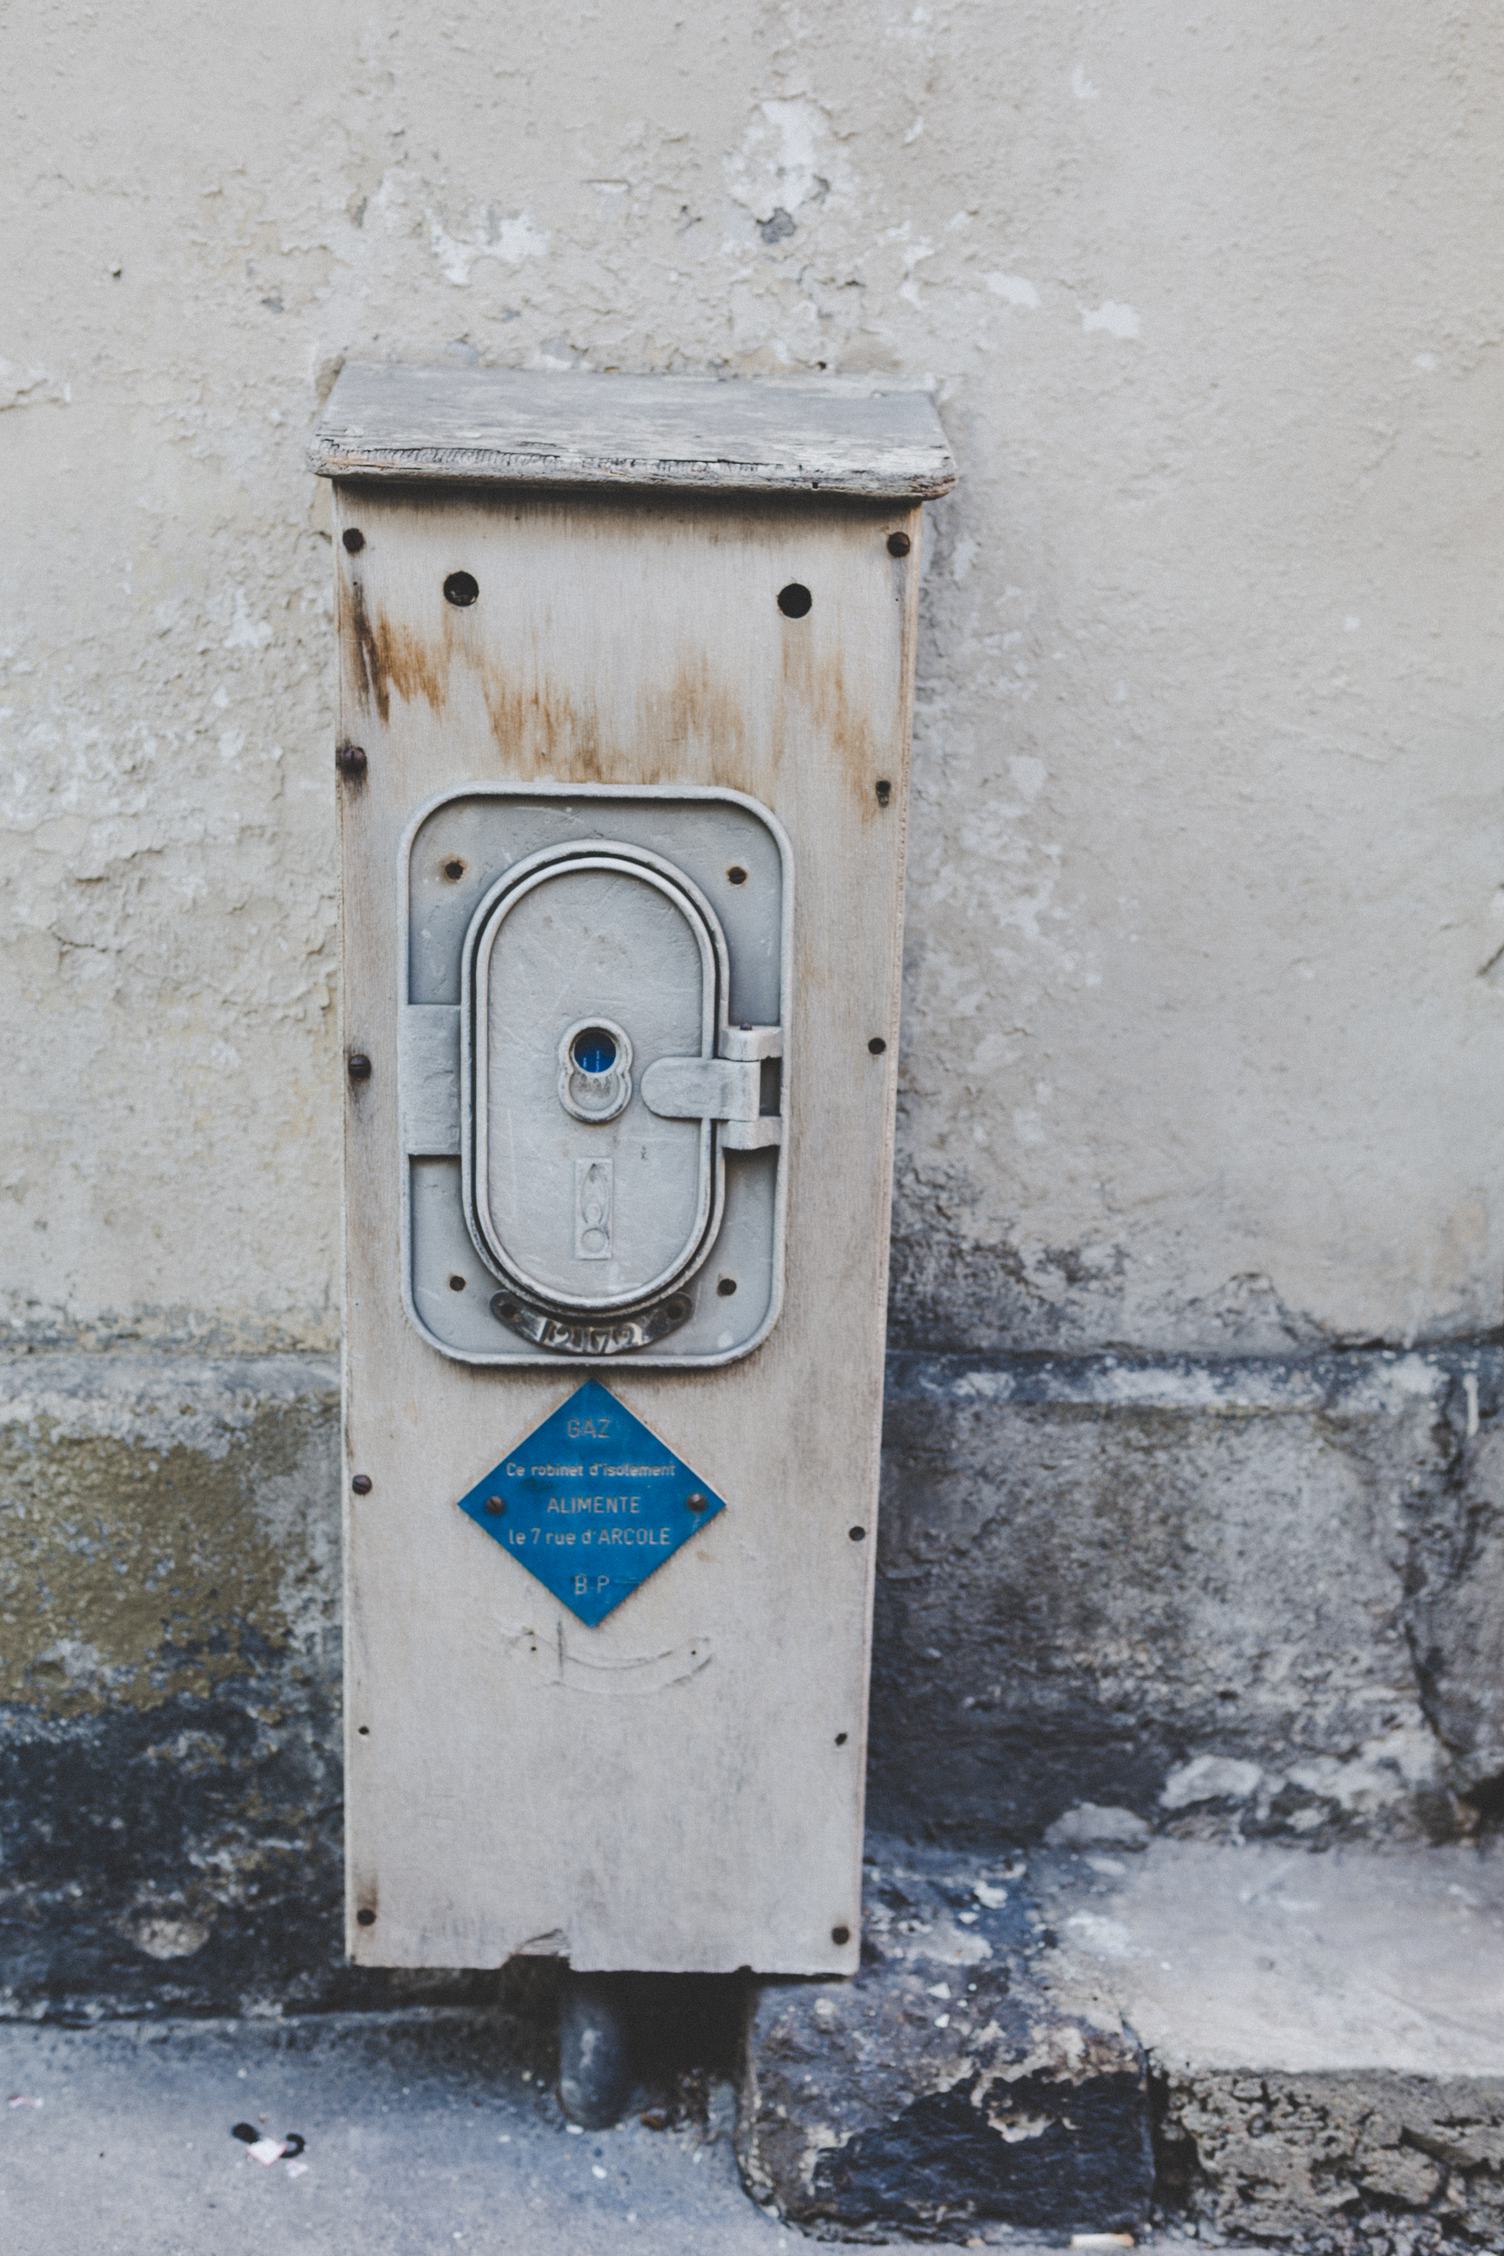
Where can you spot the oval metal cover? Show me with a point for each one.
(588, 1215)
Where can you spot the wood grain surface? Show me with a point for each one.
(515, 427)
(680, 1788)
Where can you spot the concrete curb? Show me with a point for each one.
(1251, 2044)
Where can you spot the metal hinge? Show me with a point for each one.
(726, 1089)
(429, 1079)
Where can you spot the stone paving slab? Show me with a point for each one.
(1325, 2032)
(1271, 1957)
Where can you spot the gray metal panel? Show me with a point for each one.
(428, 1037)
(462, 857)
(513, 427)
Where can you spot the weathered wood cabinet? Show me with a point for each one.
(626, 673)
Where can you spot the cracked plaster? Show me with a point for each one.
(1203, 874)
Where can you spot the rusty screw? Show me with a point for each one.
(361, 1484)
(358, 1066)
(495, 1504)
(884, 792)
(899, 544)
(695, 1500)
(350, 762)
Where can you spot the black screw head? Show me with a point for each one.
(726, 1287)
(365, 1917)
(461, 589)
(354, 539)
(840, 1935)
(358, 1066)
(877, 1045)
(794, 600)
(884, 792)
(696, 1501)
(350, 761)
(454, 869)
(361, 1484)
(899, 544)
(857, 1534)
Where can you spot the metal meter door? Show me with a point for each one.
(608, 1075)
(579, 1193)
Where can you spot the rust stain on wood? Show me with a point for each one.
(698, 722)
(541, 730)
(814, 696)
(694, 725)
(390, 657)
(693, 728)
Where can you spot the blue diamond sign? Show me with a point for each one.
(591, 1503)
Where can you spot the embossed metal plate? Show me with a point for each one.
(592, 1503)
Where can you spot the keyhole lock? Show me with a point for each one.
(593, 1050)
(595, 1070)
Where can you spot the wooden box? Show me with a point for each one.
(597, 632)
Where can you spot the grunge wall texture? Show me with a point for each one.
(1193, 1468)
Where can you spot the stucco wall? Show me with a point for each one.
(1201, 1047)
(1202, 1053)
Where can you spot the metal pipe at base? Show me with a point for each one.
(595, 2065)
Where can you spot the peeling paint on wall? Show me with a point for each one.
(1212, 338)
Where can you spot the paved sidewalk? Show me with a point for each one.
(423, 2138)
